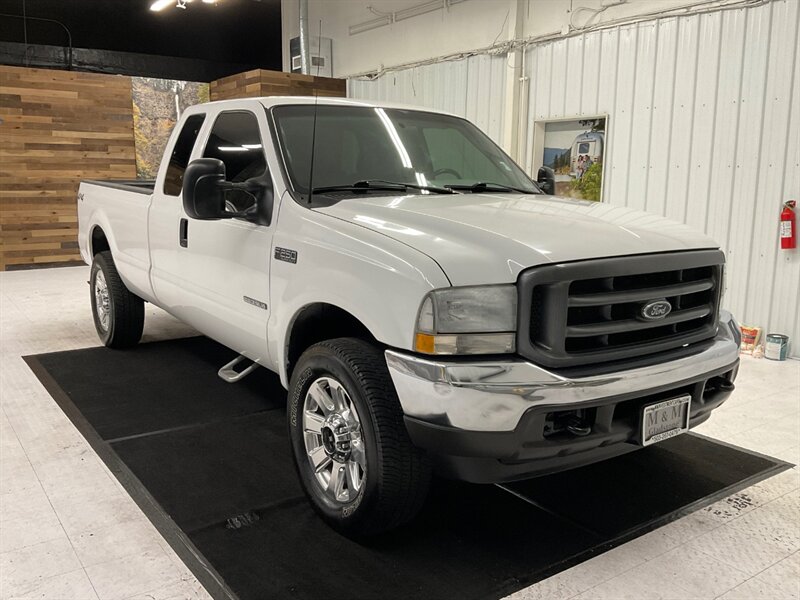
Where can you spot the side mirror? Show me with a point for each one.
(204, 189)
(546, 178)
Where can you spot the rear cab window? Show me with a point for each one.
(181, 152)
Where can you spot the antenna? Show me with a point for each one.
(314, 126)
(313, 148)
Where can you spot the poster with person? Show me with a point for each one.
(575, 151)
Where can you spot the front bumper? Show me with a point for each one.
(487, 421)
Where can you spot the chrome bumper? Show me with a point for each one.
(493, 395)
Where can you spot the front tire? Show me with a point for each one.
(118, 313)
(352, 452)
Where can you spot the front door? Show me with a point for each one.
(214, 275)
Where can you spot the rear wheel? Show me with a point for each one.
(118, 313)
(353, 455)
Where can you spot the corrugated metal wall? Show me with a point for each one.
(473, 88)
(704, 128)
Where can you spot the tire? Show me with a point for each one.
(394, 474)
(118, 313)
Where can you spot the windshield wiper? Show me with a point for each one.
(381, 185)
(485, 186)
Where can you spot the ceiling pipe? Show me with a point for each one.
(305, 66)
(388, 18)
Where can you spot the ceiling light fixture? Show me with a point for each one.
(159, 5)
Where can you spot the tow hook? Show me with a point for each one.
(577, 427)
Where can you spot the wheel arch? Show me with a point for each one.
(98, 241)
(317, 322)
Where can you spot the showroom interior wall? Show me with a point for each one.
(259, 82)
(59, 127)
(423, 29)
(427, 33)
(456, 86)
(56, 128)
(704, 115)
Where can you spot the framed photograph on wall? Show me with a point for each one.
(575, 149)
(157, 106)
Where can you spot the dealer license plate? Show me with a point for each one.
(665, 419)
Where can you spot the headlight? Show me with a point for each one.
(468, 320)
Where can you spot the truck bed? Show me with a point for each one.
(140, 186)
(119, 209)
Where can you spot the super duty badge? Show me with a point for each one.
(255, 302)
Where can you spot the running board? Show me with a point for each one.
(230, 375)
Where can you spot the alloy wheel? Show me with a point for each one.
(102, 301)
(333, 440)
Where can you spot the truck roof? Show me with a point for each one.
(270, 101)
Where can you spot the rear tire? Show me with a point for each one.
(118, 313)
(382, 478)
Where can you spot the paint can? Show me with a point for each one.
(777, 346)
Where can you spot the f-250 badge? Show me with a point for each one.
(286, 255)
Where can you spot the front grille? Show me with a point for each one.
(592, 311)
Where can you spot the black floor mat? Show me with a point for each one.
(209, 463)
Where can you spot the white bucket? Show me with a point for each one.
(777, 346)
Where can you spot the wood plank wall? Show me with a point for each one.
(58, 127)
(258, 82)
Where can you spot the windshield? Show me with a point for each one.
(356, 143)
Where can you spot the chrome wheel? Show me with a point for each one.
(333, 440)
(102, 303)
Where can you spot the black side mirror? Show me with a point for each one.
(260, 188)
(546, 178)
(204, 189)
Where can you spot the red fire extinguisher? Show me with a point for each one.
(788, 226)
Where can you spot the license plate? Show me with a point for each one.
(665, 419)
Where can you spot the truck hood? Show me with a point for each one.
(490, 238)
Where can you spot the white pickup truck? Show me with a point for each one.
(428, 307)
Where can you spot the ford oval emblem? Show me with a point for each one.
(656, 309)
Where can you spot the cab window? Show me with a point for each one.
(179, 159)
(236, 141)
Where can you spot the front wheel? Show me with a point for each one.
(353, 455)
(118, 313)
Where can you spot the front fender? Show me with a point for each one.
(378, 280)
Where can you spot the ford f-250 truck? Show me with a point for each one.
(427, 306)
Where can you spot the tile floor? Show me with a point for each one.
(68, 530)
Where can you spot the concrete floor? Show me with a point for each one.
(68, 530)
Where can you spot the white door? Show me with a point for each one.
(214, 275)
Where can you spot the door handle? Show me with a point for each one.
(183, 235)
